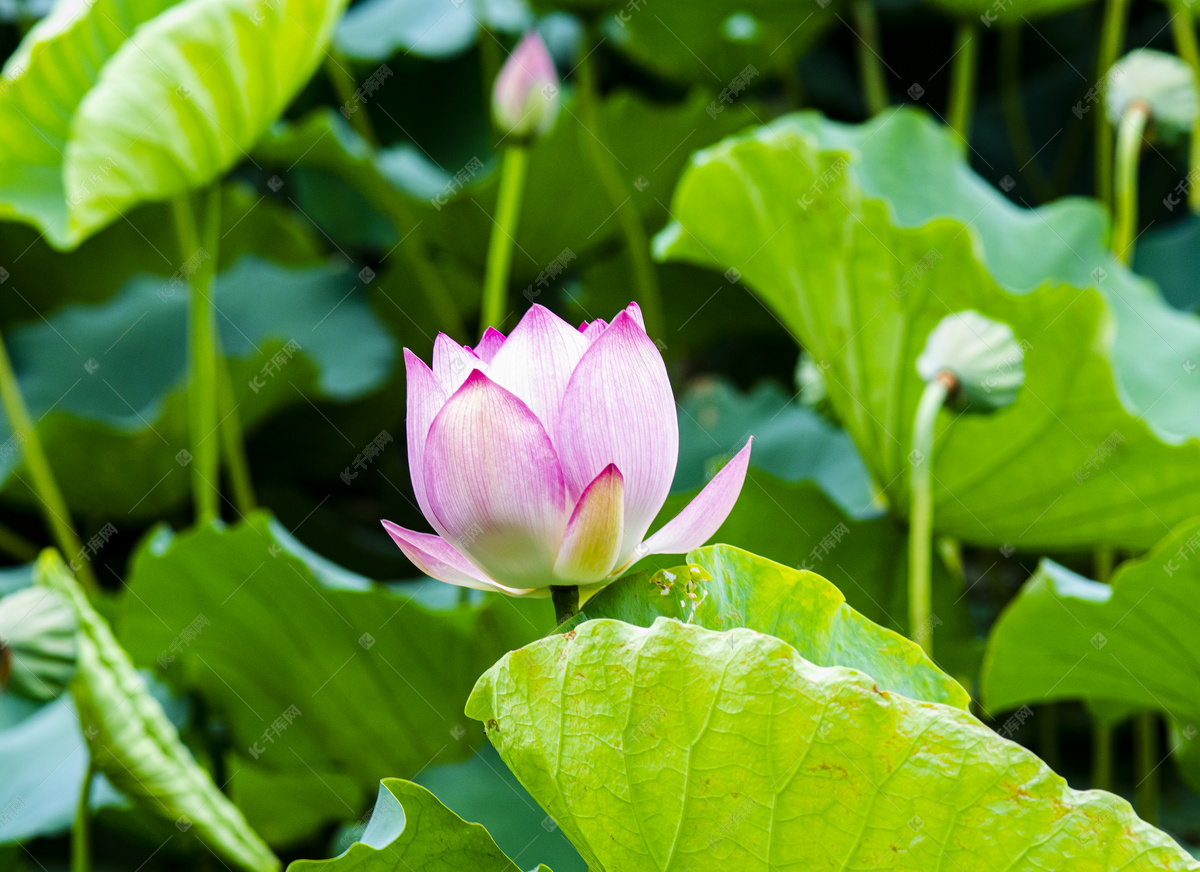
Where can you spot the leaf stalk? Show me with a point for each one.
(202, 348)
(1129, 147)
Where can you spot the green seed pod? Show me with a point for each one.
(1160, 81)
(37, 643)
(982, 357)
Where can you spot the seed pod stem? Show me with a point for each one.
(920, 520)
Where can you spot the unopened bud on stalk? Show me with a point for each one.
(525, 98)
(980, 360)
(1162, 82)
(37, 643)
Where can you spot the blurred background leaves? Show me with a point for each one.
(341, 232)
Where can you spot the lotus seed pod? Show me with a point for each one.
(37, 643)
(1163, 82)
(983, 356)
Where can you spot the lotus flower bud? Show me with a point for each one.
(37, 643)
(525, 98)
(542, 458)
(1162, 82)
(982, 357)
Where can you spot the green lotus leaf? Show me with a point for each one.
(873, 234)
(677, 747)
(482, 789)
(735, 588)
(1163, 255)
(114, 426)
(393, 182)
(134, 744)
(1125, 646)
(44, 757)
(410, 829)
(714, 43)
(110, 103)
(649, 142)
(796, 524)
(730, 319)
(377, 29)
(715, 419)
(312, 670)
(1006, 12)
(48, 279)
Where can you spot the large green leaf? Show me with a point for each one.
(714, 42)
(42, 279)
(134, 744)
(1165, 256)
(106, 382)
(261, 628)
(796, 524)
(44, 758)
(482, 789)
(1129, 643)
(377, 29)
(109, 103)
(676, 748)
(715, 419)
(649, 142)
(736, 588)
(410, 829)
(863, 238)
(1010, 13)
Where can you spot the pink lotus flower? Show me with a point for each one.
(542, 459)
(525, 96)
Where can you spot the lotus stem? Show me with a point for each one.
(344, 86)
(1189, 49)
(1102, 733)
(202, 347)
(1015, 123)
(920, 521)
(1102, 756)
(1129, 147)
(1145, 737)
(1112, 40)
(51, 503)
(566, 602)
(233, 442)
(81, 850)
(636, 243)
(513, 168)
(964, 71)
(870, 57)
(1048, 747)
